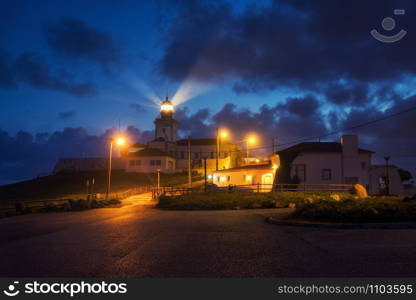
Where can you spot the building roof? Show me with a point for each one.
(138, 145)
(149, 152)
(318, 147)
(198, 142)
(247, 167)
(202, 142)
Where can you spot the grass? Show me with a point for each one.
(239, 200)
(73, 185)
(321, 207)
(373, 210)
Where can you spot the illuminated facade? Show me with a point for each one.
(169, 148)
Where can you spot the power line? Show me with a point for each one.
(329, 133)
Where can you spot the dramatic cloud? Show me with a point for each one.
(318, 46)
(137, 107)
(65, 115)
(7, 78)
(34, 70)
(73, 38)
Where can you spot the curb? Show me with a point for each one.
(273, 221)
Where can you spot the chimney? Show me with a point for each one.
(349, 144)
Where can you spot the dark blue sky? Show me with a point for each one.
(71, 70)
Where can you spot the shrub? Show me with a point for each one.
(240, 200)
(380, 209)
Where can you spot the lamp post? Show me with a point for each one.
(249, 140)
(220, 134)
(120, 141)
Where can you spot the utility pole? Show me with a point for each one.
(88, 189)
(387, 158)
(205, 174)
(274, 145)
(189, 163)
(218, 148)
(92, 187)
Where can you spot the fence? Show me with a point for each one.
(11, 207)
(257, 188)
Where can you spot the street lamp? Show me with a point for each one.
(250, 140)
(221, 134)
(120, 141)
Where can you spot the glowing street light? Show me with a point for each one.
(119, 141)
(250, 140)
(221, 134)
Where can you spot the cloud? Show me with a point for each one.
(73, 38)
(137, 107)
(7, 76)
(298, 44)
(65, 115)
(35, 71)
(25, 156)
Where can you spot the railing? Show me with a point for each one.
(256, 188)
(15, 206)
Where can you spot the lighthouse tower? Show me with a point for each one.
(166, 126)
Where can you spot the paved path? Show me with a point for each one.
(137, 240)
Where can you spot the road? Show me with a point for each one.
(137, 240)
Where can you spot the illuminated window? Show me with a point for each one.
(248, 178)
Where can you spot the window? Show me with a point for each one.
(182, 154)
(138, 162)
(152, 162)
(170, 165)
(326, 174)
(363, 165)
(196, 155)
(158, 162)
(299, 171)
(132, 162)
(225, 154)
(248, 179)
(212, 154)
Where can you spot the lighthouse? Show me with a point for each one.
(166, 127)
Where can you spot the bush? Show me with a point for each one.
(240, 200)
(379, 209)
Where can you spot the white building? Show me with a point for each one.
(327, 162)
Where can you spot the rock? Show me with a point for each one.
(335, 197)
(309, 200)
(360, 191)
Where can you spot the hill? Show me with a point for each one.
(74, 184)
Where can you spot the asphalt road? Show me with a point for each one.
(137, 240)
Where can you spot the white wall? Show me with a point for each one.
(167, 164)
